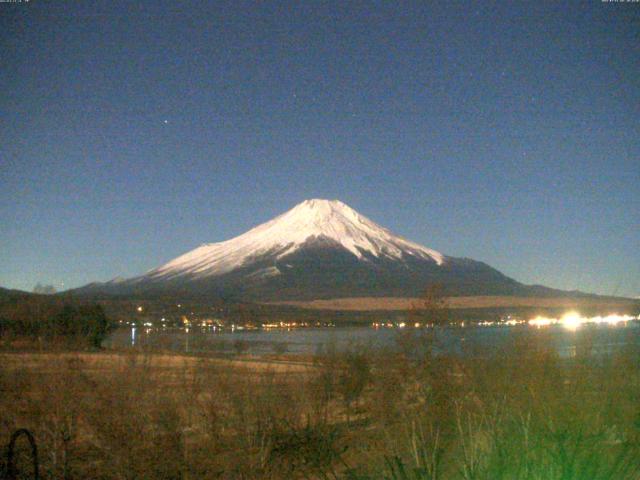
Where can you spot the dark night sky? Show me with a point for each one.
(507, 132)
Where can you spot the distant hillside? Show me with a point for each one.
(7, 294)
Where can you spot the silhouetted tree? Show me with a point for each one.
(37, 317)
(431, 307)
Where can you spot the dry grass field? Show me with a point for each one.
(108, 361)
(518, 413)
(397, 303)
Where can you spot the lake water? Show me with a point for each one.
(603, 339)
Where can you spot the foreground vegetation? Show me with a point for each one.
(518, 413)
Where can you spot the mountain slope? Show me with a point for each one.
(318, 249)
(10, 294)
(284, 235)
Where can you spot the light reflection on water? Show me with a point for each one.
(601, 339)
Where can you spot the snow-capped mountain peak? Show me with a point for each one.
(312, 219)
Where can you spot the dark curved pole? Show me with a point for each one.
(11, 468)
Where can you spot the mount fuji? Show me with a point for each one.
(318, 249)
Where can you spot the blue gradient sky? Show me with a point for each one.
(132, 132)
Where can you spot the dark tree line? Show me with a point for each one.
(45, 319)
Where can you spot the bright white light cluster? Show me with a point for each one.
(573, 320)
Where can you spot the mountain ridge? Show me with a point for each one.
(286, 233)
(318, 249)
